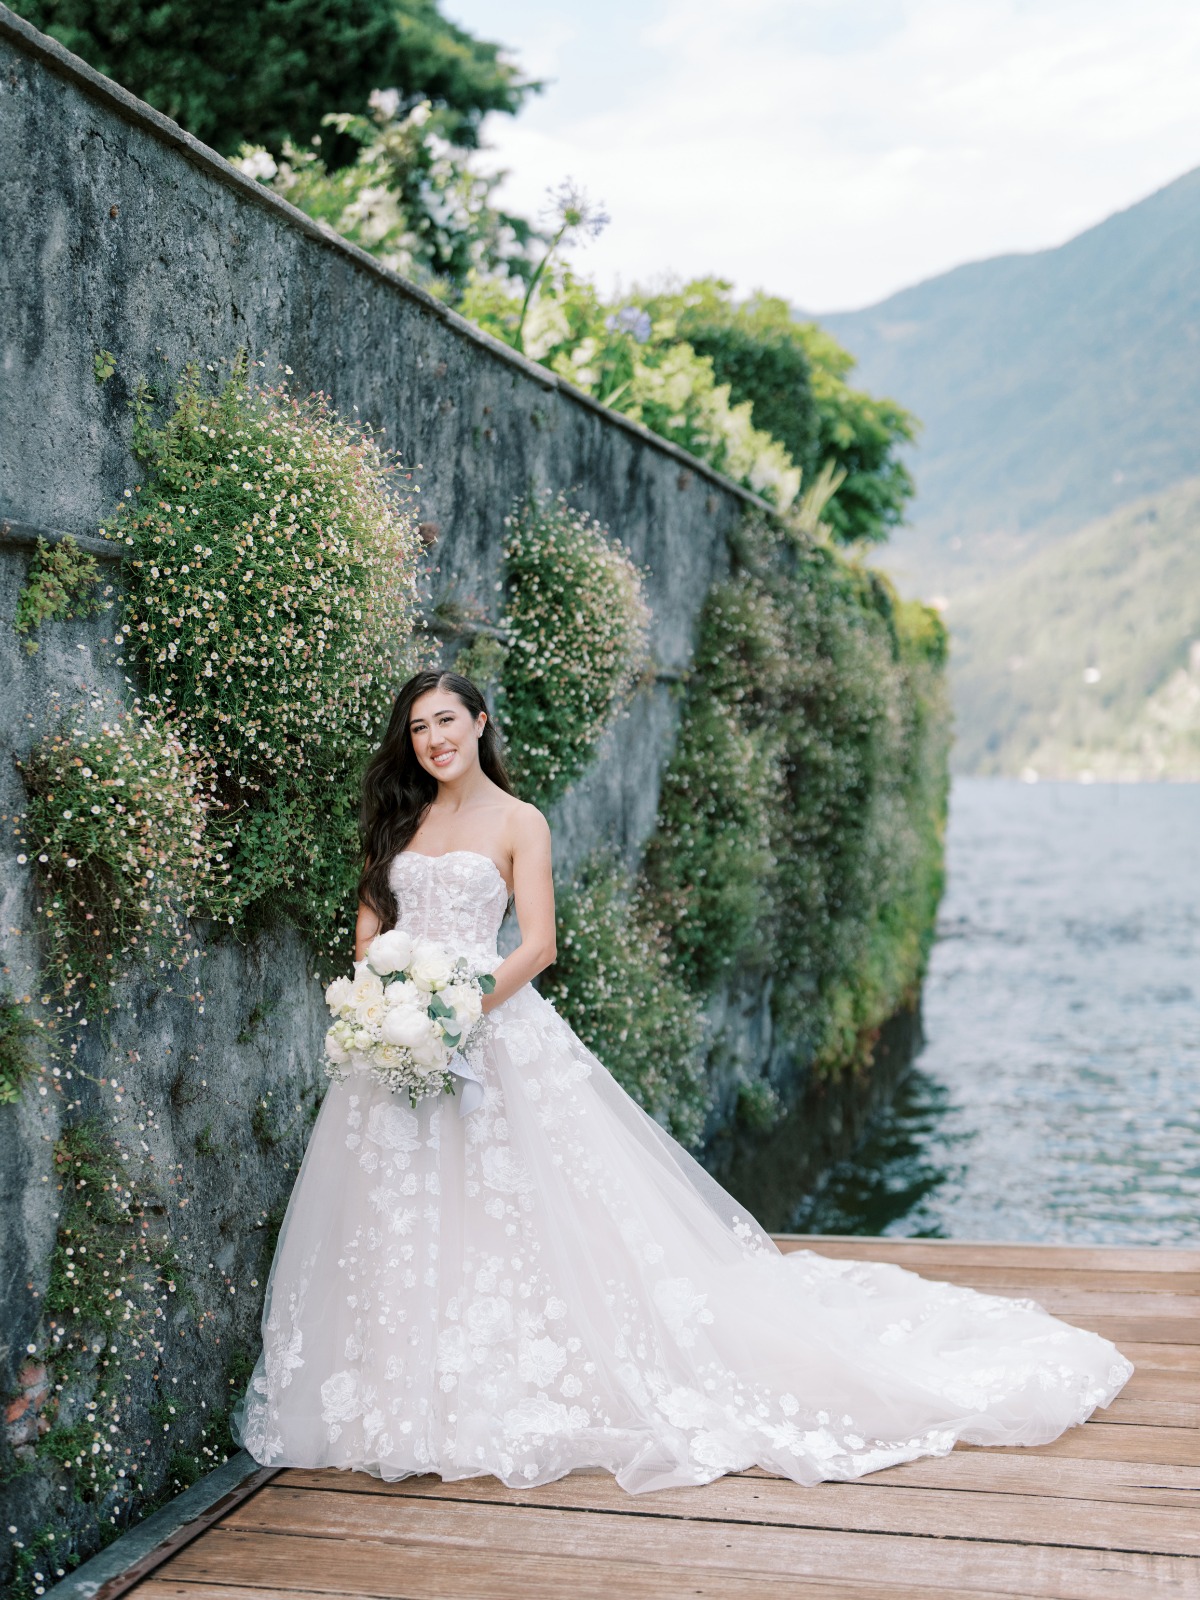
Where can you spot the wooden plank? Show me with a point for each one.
(961, 1252)
(1134, 1328)
(774, 1502)
(1031, 1279)
(1033, 1282)
(427, 1575)
(999, 1471)
(684, 1551)
(1115, 1441)
(1164, 1357)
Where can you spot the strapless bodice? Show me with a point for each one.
(458, 898)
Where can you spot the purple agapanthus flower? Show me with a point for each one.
(630, 319)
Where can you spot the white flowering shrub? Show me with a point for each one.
(116, 827)
(270, 600)
(578, 625)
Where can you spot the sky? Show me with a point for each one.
(833, 151)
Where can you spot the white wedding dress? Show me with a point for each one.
(551, 1282)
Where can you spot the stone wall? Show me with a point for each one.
(123, 234)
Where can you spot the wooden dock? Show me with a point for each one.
(1111, 1511)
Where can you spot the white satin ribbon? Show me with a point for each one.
(470, 1094)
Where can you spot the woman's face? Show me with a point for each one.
(445, 736)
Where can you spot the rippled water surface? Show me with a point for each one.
(1058, 1096)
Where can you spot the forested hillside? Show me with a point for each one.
(1052, 387)
(1087, 658)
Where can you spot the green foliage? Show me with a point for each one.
(112, 1278)
(261, 72)
(577, 624)
(104, 364)
(759, 350)
(117, 827)
(801, 818)
(639, 365)
(410, 196)
(58, 586)
(861, 436)
(710, 860)
(270, 606)
(613, 982)
(38, 1563)
(17, 1061)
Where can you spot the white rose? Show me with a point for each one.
(338, 993)
(431, 1056)
(366, 987)
(465, 999)
(390, 951)
(431, 966)
(335, 1049)
(407, 1027)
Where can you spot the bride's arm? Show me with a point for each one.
(533, 893)
(365, 930)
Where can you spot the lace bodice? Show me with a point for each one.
(458, 898)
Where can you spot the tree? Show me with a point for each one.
(410, 196)
(259, 71)
(861, 437)
(755, 347)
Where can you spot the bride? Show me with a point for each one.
(549, 1281)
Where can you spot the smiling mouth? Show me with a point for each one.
(444, 760)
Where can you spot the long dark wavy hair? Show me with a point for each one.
(397, 790)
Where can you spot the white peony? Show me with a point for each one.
(402, 994)
(338, 993)
(407, 1027)
(390, 951)
(335, 1049)
(431, 1056)
(431, 966)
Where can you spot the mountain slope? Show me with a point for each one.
(1087, 658)
(1053, 387)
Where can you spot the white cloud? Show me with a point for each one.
(835, 150)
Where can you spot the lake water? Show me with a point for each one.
(1058, 1096)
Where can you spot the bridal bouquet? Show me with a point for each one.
(406, 1015)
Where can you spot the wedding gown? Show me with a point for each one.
(551, 1282)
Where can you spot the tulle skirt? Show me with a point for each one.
(552, 1282)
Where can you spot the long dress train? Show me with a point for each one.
(552, 1282)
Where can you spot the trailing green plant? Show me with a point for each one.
(712, 861)
(271, 573)
(17, 1060)
(577, 624)
(60, 585)
(113, 1274)
(801, 817)
(116, 827)
(38, 1563)
(614, 983)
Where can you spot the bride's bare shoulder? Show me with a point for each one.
(526, 827)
